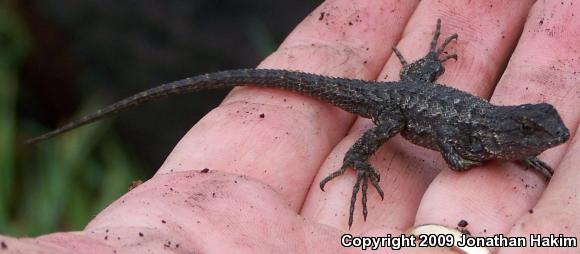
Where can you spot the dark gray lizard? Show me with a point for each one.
(466, 129)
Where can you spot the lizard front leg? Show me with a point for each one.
(540, 166)
(447, 137)
(357, 158)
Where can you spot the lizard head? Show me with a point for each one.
(525, 130)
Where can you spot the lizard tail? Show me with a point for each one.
(343, 93)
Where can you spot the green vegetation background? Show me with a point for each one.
(61, 184)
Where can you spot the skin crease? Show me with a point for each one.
(277, 205)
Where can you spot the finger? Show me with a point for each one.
(558, 210)
(280, 137)
(407, 169)
(541, 69)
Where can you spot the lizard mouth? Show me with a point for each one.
(563, 135)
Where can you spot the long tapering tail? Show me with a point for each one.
(343, 93)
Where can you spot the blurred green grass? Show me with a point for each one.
(58, 185)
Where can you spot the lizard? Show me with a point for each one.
(467, 130)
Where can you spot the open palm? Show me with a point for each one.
(267, 149)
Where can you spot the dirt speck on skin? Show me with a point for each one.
(461, 227)
(531, 211)
(321, 16)
(163, 221)
(262, 115)
(140, 234)
(134, 184)
(205, 170)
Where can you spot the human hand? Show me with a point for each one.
(277, 206)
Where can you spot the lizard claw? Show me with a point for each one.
(400, 56)
(539, 166)
(446, 42)
(428, 68)
(365, 172)
(447, 57)
(436, 52)
(332, 176)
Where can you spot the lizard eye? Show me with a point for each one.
(527, 128)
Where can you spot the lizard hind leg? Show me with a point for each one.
(357, 158)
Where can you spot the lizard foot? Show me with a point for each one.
(540, 166)
(437, 51)
(434, 52)
(428, 68)
(357, 158)
(365, 172)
